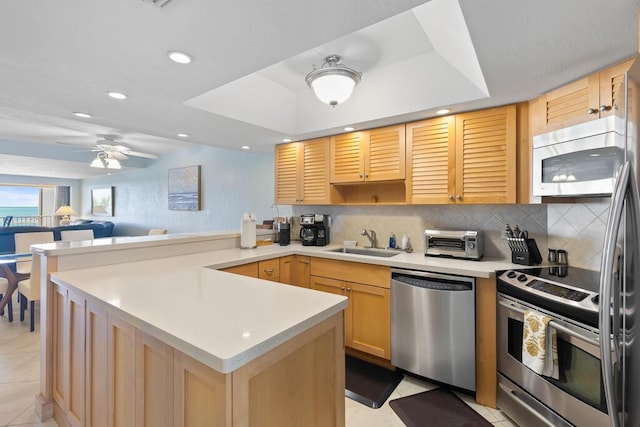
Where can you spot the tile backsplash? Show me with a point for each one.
(576, 227)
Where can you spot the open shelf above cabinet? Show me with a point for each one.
(377, 193)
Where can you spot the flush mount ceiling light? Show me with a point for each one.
(81, 114)
(179, 57)
(287, 139)
(333, 83)
(443, 111)
(183, 135)
(103, 160)
(117, 95)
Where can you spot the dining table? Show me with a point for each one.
(12, 276)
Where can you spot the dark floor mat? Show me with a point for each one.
(369, 384)
(436, 408)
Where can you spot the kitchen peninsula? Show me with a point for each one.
(131, 324)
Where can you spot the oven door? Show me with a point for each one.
(578, 395)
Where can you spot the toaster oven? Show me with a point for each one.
(455, 244)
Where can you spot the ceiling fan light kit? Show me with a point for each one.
(333, 83)
(103, 160)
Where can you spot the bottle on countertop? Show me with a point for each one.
(405, 241)
(392, 241)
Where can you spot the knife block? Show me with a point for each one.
(524, 251)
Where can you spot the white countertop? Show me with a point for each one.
(223, 320)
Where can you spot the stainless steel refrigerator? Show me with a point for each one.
(619, 274)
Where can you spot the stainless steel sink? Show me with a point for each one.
(383, 253)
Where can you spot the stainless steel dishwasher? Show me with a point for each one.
(433, 326)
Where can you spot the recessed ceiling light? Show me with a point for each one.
(443, 111)
(81, 114)
(349, 128)
(287, 139)
(183, 135)
(179, 57)
(117, 95)
(245, 147)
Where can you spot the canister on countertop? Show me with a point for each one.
(284, 233)
(248, 231)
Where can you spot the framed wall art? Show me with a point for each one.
(102, 201)
(184, 188)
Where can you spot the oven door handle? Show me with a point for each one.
(557, 326)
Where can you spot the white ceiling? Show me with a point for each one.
(246, 85)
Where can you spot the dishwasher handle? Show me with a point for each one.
(430, 281)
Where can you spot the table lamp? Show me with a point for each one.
(66, 212)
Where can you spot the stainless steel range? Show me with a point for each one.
(569, 296)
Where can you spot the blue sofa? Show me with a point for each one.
(7, 242)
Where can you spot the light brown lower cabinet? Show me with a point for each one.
(109, 373)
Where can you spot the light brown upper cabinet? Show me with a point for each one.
(583, 100)
(302, 172)
(368, 156)
(466, 158)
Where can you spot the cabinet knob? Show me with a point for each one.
(459, 197)
(605, 107)
(348, 289)
(366, 175)
(360, 175)
(450, 197)
(592, 111)
(342, 288)
(306, 262)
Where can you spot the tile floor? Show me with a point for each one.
(20, 379)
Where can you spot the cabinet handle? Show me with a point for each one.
(268, 270)
(306, 262)
(605, 107)
(592, 111)
(348, 289)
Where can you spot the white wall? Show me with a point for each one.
(232, 182)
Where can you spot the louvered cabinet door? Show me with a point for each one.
(569, 104)
(611, 80)
(347, 157)
(385, 154)
(287, 166)
(314, 177)
(486, 156)
(431, 161)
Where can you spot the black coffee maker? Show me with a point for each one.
(308, 229)
(314, 229)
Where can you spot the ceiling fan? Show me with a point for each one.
(111, 149)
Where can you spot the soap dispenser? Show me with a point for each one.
(405, 242)
(392, 241)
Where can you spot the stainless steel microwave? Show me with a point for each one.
(581, 160)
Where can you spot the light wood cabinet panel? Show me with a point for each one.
(486, 357)
(583, 100)
(250, 269)
(121, 364)
(486, 156)
(154, 382)
(371, 274)
(368, 313)
(96, 384)
(371, 155)
(286, 264)
(60, 341)
(431, 154)
(467, 158)
(385, 154)
(75, 323)
(302, 172)
(370, 319)
(301, 271)
(286, 182)
(202, 396)
(269, 269)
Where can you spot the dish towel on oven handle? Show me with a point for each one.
(539, 345)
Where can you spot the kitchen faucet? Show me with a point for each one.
(371, 237)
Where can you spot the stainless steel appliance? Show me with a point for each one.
(315, 229)
(579, 161)
(569, 296)
(433, 326)
(456, 244)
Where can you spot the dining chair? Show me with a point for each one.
(4, 287)
(76, 235)
(29, 289)
(157, 231)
